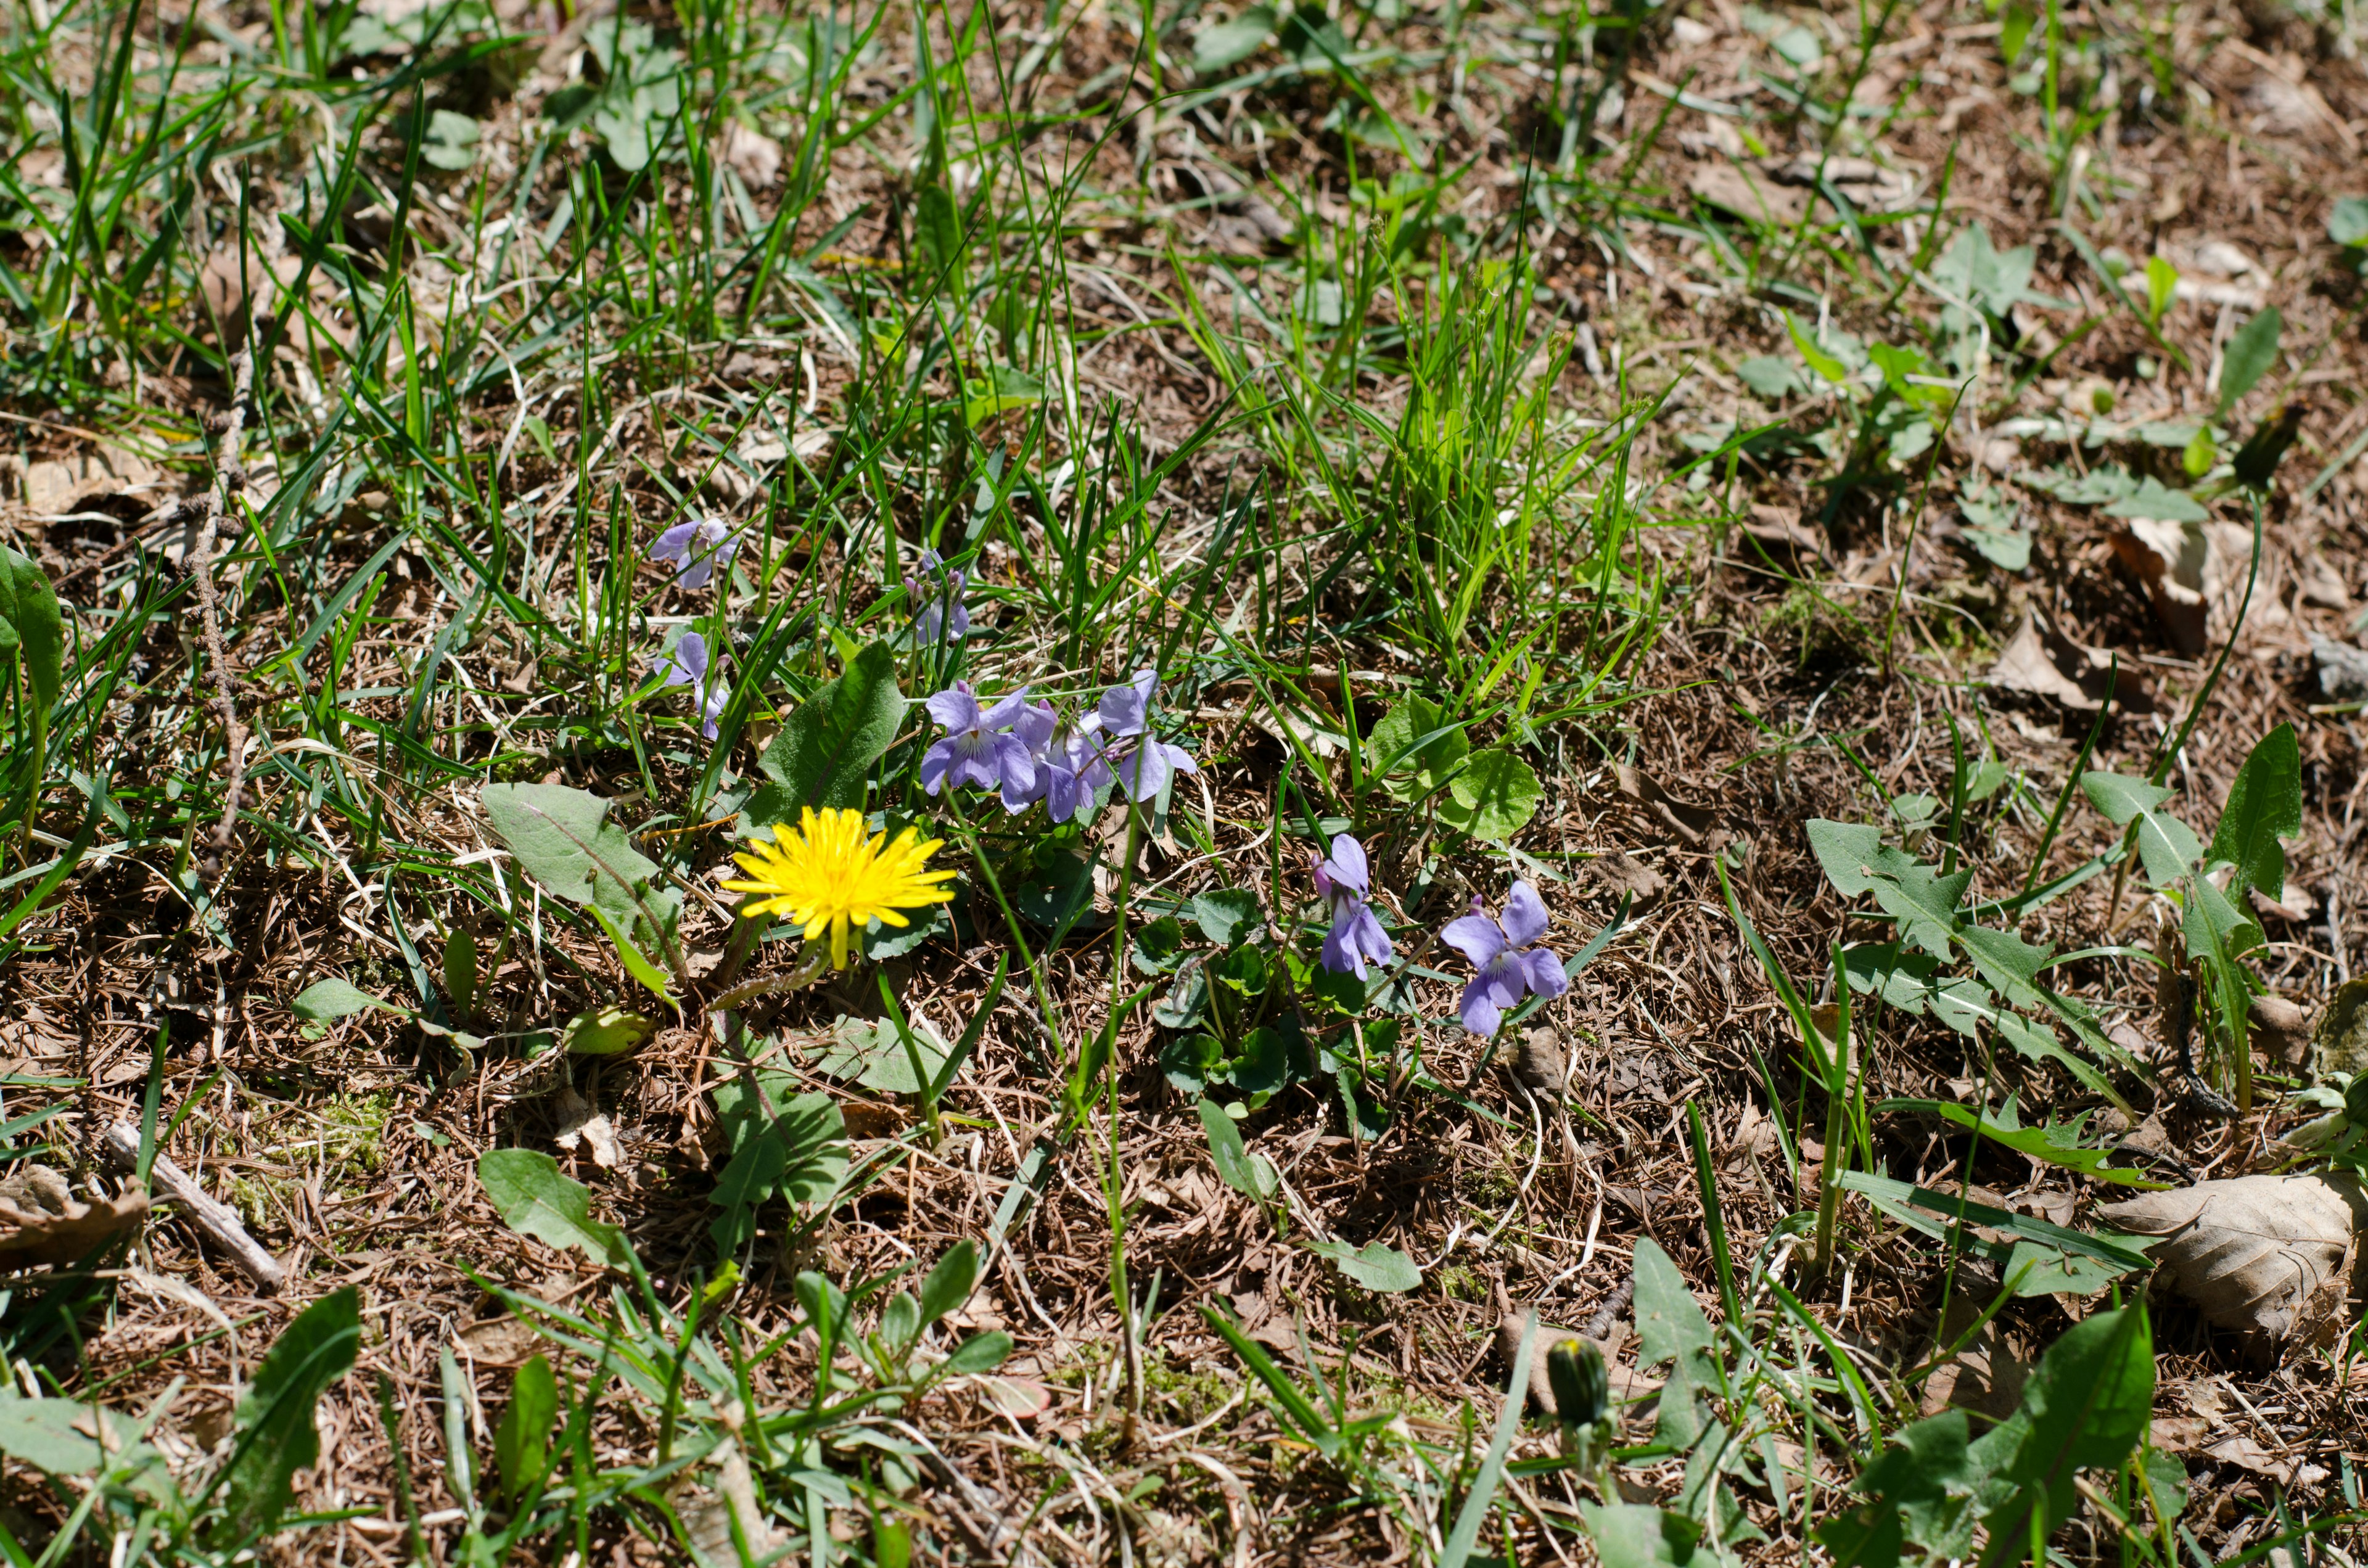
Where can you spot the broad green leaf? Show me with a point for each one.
(2249, 356)
(522, 1441)
(2216, 929)
(1248, 1174)
(536, 1198)
(1669, 1322)
(325, 1000)
(604, 1031)
(938, 235)
(1158, 946)
(2167, 845)
(1924, 902)
(2168, 1477)
(824, 752)
(2056, 1143)
(562, 841)
(1638, 1535)
(1817, 359)
(29, 606)
(1920, 1490)
(1225, 915)
(1310, 36)
(1376, 1267)
(276, 1437)
(1846, 852)
(2347, 221)
(2162, 286)
(451, 140)
(2038, 1270)
(2152, 498)
(979, 1353)
(1770, 376)
(460, 971)
(2006, 548)
(2264, 805)
(1901, 1198)
(1223, 44)
(2037, 1042)
(1001, 390)
(54, 1436)
(872, 1054)
(2011, 964)
(1408, 750)
(647, 973)
(2087, 1404)
(949, 1285)
(1493, 797)
(1903, 979)
(800, 1155)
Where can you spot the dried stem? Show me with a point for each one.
(230, 479)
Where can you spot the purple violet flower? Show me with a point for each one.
(1509, 960)
(942, 611)
(1033, 728)
(690, 665)
(1075, 765)
(702, 546)
(1355, 936)
(1125, 713)
(978, 748)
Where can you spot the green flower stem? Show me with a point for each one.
(1113, 1180)
(1010, 919)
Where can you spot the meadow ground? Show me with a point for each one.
(1819, 554)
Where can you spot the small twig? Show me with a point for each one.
(121, 1147)
(230, 479)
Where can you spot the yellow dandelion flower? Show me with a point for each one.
(828, 875)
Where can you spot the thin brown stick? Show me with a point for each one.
(216, 1222)
(230, 479)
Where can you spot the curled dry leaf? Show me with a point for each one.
(2282, 1028)
(1748, 194)
(2195, 574)
(1539, 1062)
(582, 1124)
(2045, 663)
(1690, 822)
(2252, 1252)
(43, 1224)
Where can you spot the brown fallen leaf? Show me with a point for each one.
(2249, 1251)
(754, 156)
(583, 1125)
(1986, 1378)
(2283, 1028)
(1691, 822)
(1627, 1384)
(1023, 1398)
(2178, 1433)
(2246, 1454)
(1614, 875)
(1737, 189)
(501, 1341)
(2042, 662)
(1539, 1062)
(109, 479)
(43, 1224)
